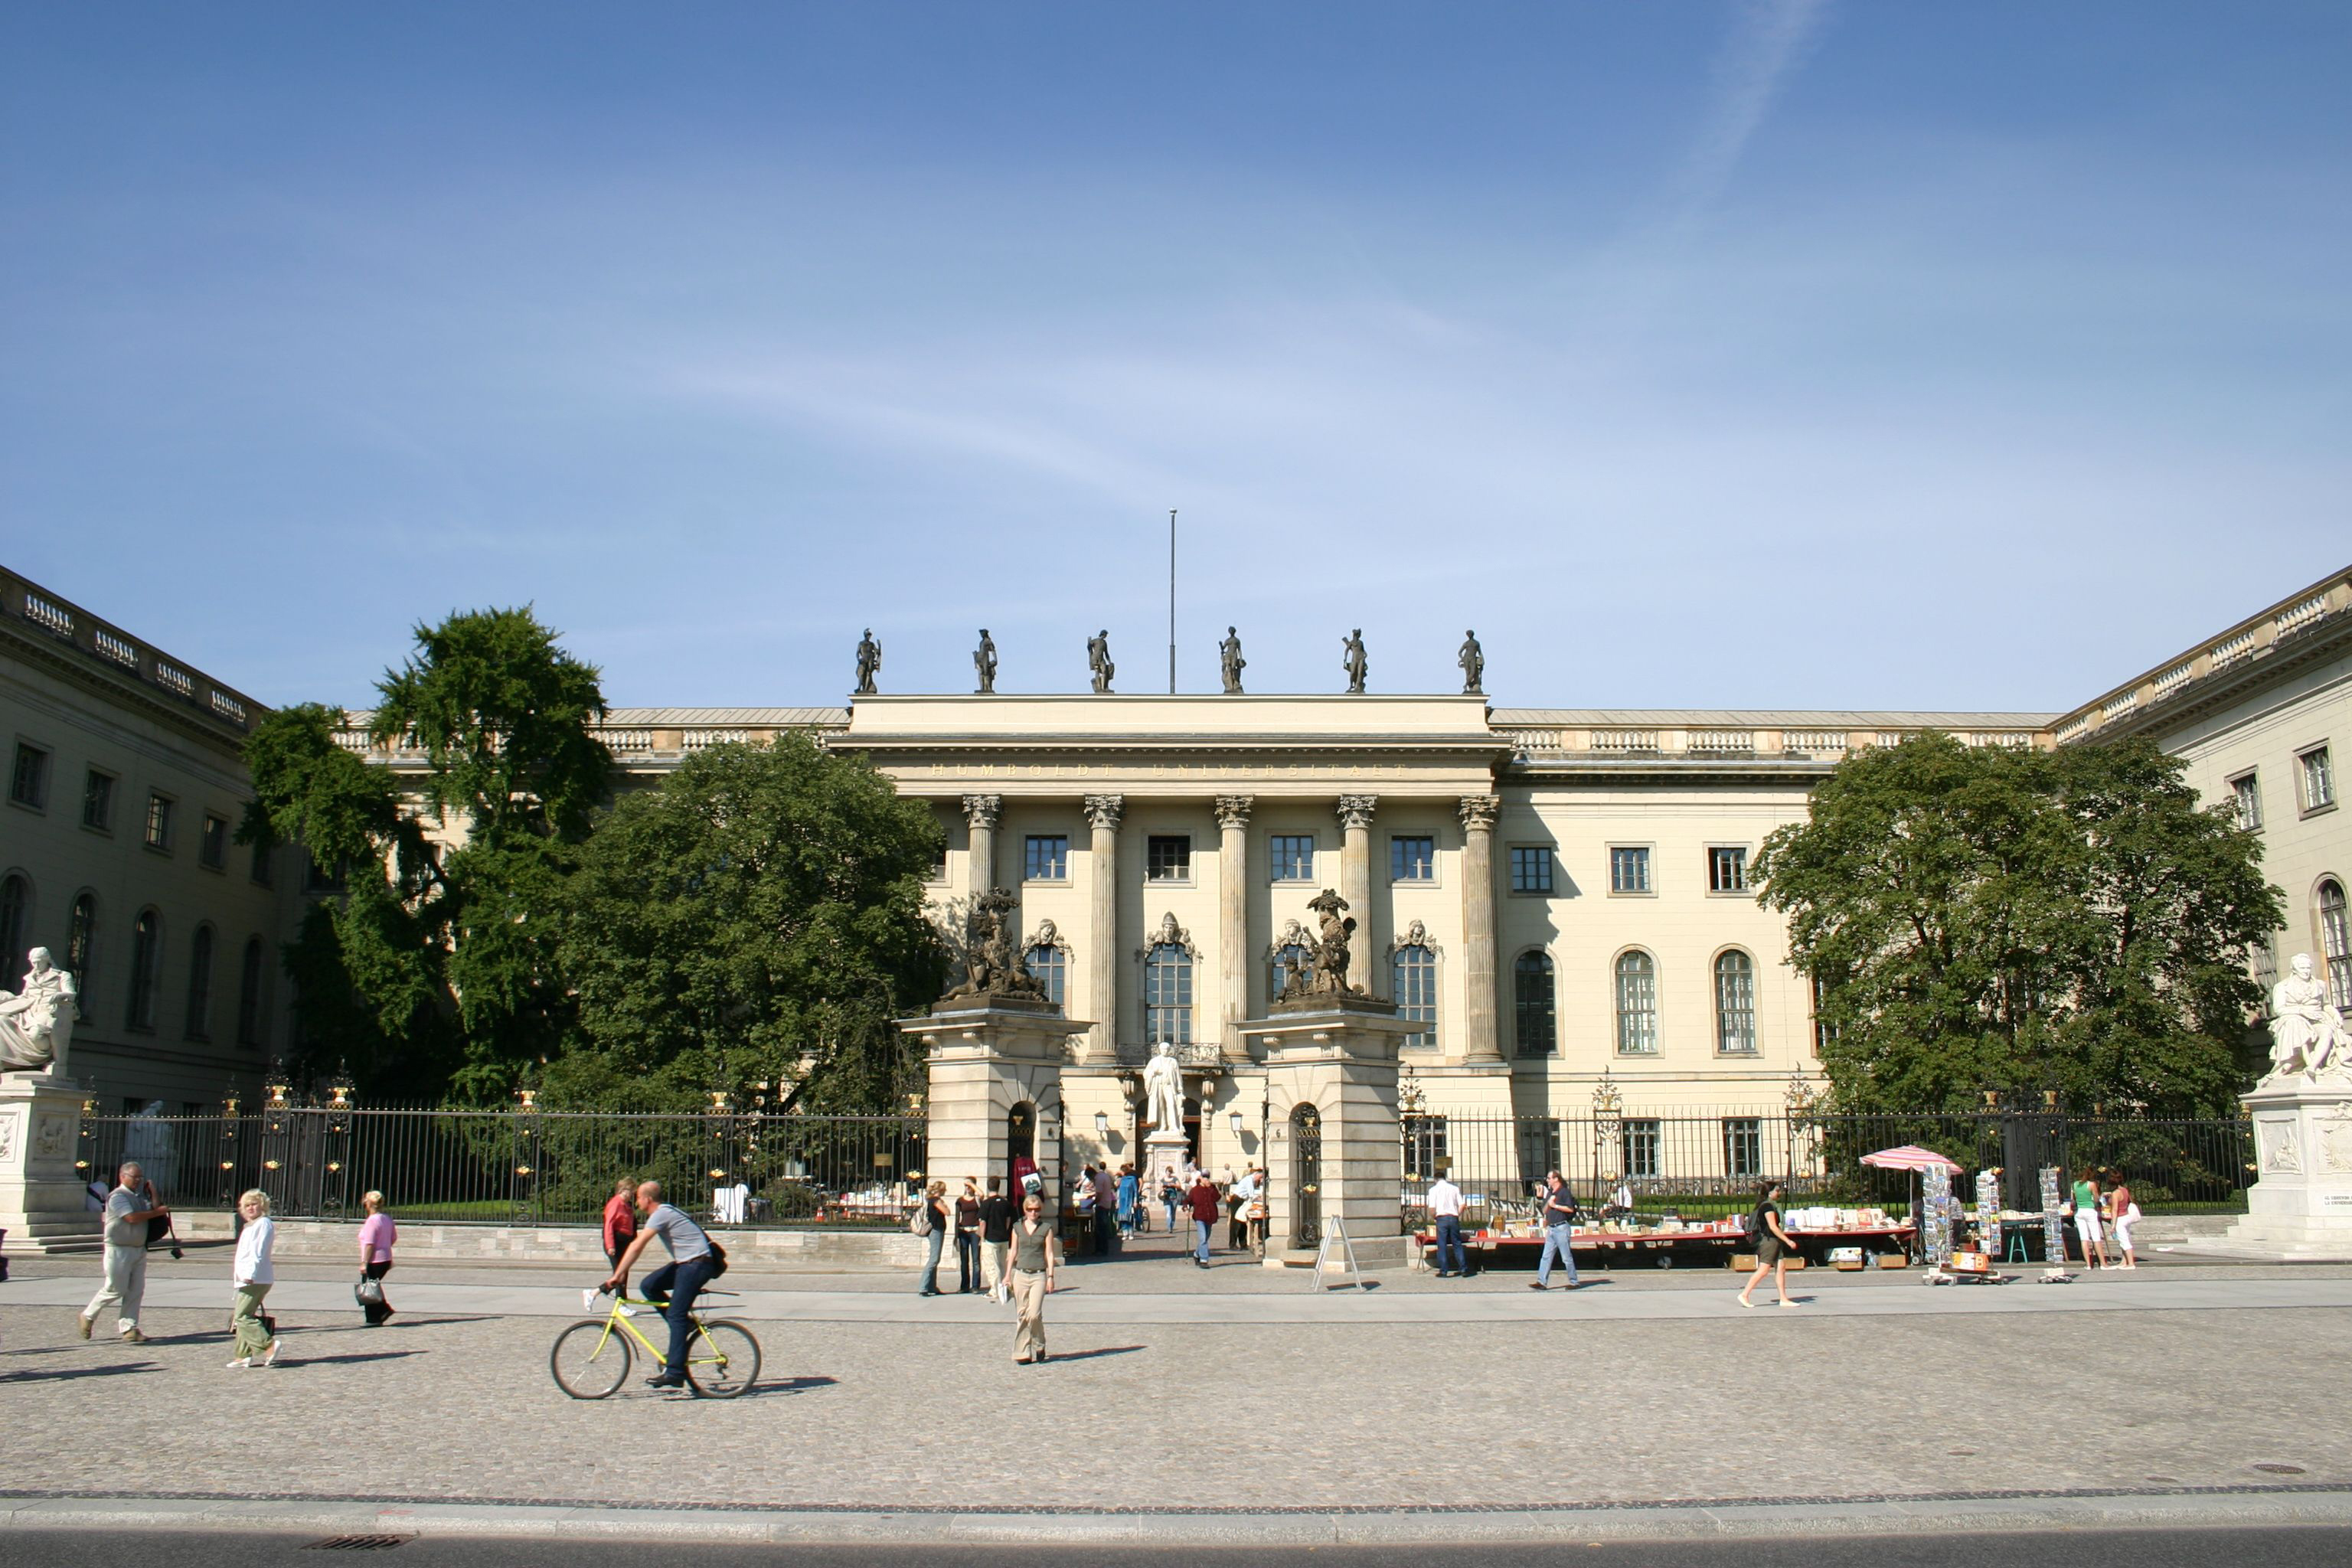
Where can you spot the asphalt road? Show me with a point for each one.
(2314, 1547)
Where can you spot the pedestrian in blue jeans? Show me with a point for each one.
(674, 1285)
(1203, 1203)
(1445, 1208)
(1560, 1231)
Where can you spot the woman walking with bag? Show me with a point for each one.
(931, 1224)
(966, 1223)
(1773, 1247)
(377, 1233)
(252, 1275)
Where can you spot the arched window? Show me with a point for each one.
(1637, 1005)
(16, 922)
(2336, 942)
(1047, 968)
(199, 1025)
(1531, 990)
(248, 994)
(1288, 959)
(81, 951)
(1735, 1004)
(146, 969)
(1412, 976)
(1167, 994)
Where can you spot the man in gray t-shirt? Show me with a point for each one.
(128, 1207)
(674, 1285)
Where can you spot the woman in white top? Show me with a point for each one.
(253, 1276)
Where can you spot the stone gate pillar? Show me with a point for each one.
(983, 1061)
(1338, 1059)
(41, 1192)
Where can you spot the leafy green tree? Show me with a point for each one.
(757, 915)
(1982, 918)
(433, 968)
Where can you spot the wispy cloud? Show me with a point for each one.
(1767, 45)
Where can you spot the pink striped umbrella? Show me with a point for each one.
(1910, 1157)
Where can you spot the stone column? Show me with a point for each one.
(979, 812)
(1355, 884)
(1484, 1043)
(1233, 920)
(1102, 941)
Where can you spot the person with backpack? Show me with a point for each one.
(694, 1260)
(1773, 1247)
(930, 1222)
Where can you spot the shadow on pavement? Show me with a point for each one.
(1089, 1355)
(112, 1370)
(295, 1360)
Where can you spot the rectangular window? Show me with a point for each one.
(1727, 869)
(213, 851)
(1743, 1148)
(1168, 857)
(1629, 869)
(1424, 1148)
(1413, 859)
(1531, 869)
(1823, 1031)
(1538, 1152)
(1291, 856)
(28, 781)
(318, 878)
(98, 801)
(159, 821)
(1048, 858)
(1641, 1151)
(2248, 790)
(262, 872)
(2318, 779)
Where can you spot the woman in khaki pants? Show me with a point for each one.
(1034, 1254)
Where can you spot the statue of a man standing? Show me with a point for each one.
(1473, 659)
(36, 1024)
(1230, 662)
(1163, 1090)
(983, 658)
(1099, 659)
(870, 659)
(2306, 1031)
(1352, 660)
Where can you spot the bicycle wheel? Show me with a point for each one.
(723, 1359)
(590, 1359)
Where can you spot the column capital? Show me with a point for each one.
(1104, 810)
(981, 810)
(1356, 810)
(1478, 812)
(1233, 810)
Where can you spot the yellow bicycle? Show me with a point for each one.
(591, 1357)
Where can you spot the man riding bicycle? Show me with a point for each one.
(674, 1285)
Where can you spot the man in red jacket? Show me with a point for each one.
(1202, 1201)
(620, 1229)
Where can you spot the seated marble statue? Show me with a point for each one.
(36, 1023)
(2306, 1031)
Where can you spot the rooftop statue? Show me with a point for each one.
(1099, 659)
(1473, 659)
(870, 659)
(1230, 662)
(1352, 660)
(36, 1024)
(983, 658)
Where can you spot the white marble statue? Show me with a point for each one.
(1163, 1090)
(2306, 1032)
(36, 1024)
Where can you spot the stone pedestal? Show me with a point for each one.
(988, 1059)
(1333, 1141)
(2300, 1205)
(1164, 1159)
(41, 1193)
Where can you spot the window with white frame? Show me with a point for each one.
(1291, 856)
(1412, 976)
(1046, 857)
(1168, 857)
(1424, 1146)
(2247, 789)
(1637, 1004)
(1167, 994)
(1743, 1147)
(1628, 868)
(159, 821)
(1735, 1004)
(2335, 942)
(1048, 968)
(1643, 1138)
(1727, 868)
(1412, 859)
(2318, 779)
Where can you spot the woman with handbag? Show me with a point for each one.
(930, 1222)
(377, 1233)
(1773, 1247)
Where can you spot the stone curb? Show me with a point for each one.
(1719, 1520)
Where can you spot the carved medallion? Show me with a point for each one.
(2281, 1155)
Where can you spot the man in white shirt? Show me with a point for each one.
(1445, 1208)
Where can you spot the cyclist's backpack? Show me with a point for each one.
(718, 1257)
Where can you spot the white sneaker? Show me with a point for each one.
(240, 1365)
(628, 1311)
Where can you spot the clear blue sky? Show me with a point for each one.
(1777, 354)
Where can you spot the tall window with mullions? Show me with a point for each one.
(2336, 942)
(1288, 959)
(1048, 969)
(15, 920)
(1531, 990)
(1412, 976)
(1167, 994)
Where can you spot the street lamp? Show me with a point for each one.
(1233, 1121)
(341, 1088)
(1102, 1123)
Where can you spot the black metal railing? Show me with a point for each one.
(520, 1167)
(1708, 1164)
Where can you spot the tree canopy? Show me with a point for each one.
(434, 969)
(1983, 918)
(758, 914)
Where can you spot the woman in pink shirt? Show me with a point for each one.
(377, 1233)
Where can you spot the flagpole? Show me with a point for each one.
(1172, 601)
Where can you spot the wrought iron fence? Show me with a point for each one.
(520, 1167)
(1707, 1163)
